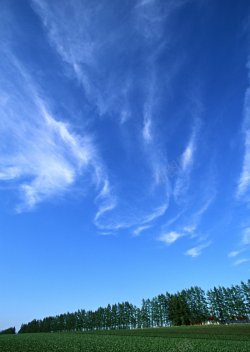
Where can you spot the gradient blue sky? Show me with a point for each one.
(124, 151)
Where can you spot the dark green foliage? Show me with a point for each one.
(178, 309)
(245, 287)
(8, 331)
(188, 307)
(222, 338)
(198, 305)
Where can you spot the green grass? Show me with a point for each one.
(233, 338)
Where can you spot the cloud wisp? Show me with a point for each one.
(243, 246)
(40, 154)
(187, 229)
(140, 229)
(241, 261)
(197, 250)
(234, 254)
(170, 237)
(87, 44)
(246, 237)
(243, 184)
(186, 164)
(244, 181)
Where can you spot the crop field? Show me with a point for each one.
(233, 338)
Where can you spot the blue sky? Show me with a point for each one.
(124, 151)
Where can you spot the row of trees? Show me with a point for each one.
(11, 330)
(187, 307)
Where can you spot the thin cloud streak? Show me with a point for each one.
(241, 261)
(170, 237)
(243, 246)
(147, 220)
(246, 236)
(104, 209)
(87, 51)
(244, 180)
(174, 219)
(197, 250)
(117, 221)
(149, 109)
(196, 216)
(151, 18)
(140, 229)
(144, 3)
(187, 160)
(234, 254)
(187, 156)
(155, 214)
(147, 133)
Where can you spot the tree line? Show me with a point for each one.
(187, 307)
(11, 330)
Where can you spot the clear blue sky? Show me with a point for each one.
(124, 151)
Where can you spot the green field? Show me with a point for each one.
(232, 338)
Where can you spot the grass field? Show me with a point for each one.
(233, 338)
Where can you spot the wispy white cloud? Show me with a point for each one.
(196, 216)
(190, 228)
(147, 220)
(155, 214)
(246, 236)
(159, 170)
(89, 51)
(149, 20)
(147, 129)
(197, 250)
(140, 229)
(105, 190)
(104, 208)
(172, 4)
(174, 219)
(244, 181)
(39, 151)
(233, 254)
(150, 17)
(243, 246)
(116, 213)
(205, 206)
(186, 163)
(144, 3)
(241, 261)
(153, 154)
(125, 112)
(9, 173)
(187, 156)
(106, 200)
(148, 111)
(170, 237)
(125, 219)
(106, 233)
(243, 185)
